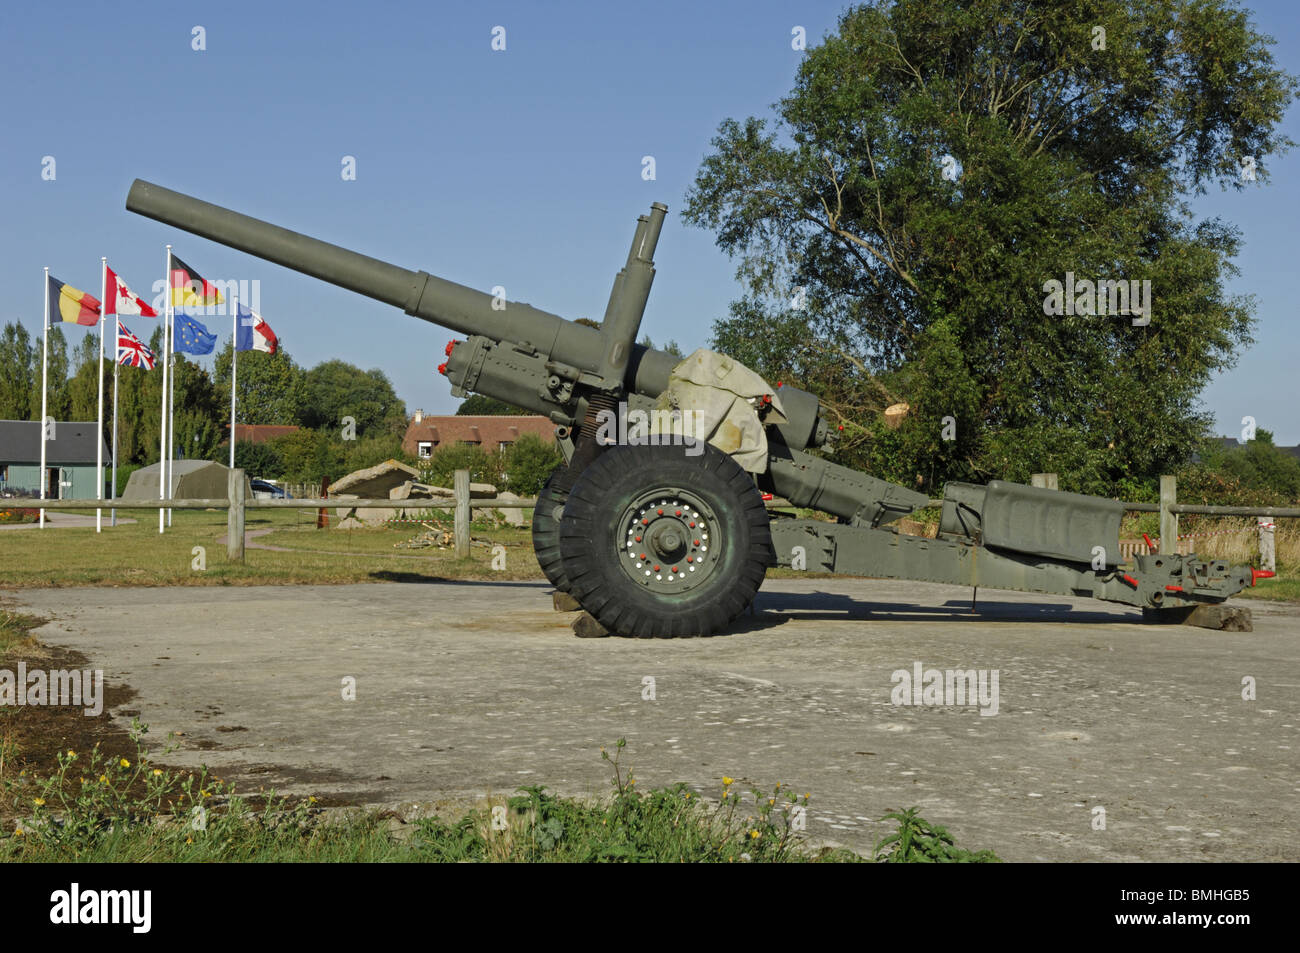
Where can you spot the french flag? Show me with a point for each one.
(252, 333)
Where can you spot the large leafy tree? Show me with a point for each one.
(936, 165)
(270, 387)
(336, 389)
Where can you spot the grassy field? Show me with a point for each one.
(137, 555)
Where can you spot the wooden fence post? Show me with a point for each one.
(235, 516)
(1168, 519)
(461, 528)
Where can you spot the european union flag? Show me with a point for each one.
(192, 337)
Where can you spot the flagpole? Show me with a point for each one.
(45, 363)
(99, 433)
(117, 333)
(234, 365)
(171, 422)
(162, 434)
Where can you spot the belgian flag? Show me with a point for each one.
(73, 306)
(190, 289)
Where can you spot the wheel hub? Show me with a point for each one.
(669, 540)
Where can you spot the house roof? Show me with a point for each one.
(261, 433)
(74, 442)
(482, 429)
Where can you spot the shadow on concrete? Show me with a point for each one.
(387, 575)
(829, 606)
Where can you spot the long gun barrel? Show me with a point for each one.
(565, 348)
(418, 293)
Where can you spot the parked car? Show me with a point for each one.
(264, 490)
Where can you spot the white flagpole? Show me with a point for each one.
(162, 432)
(171, 421)
(117, 333)
(234, 364)
(99, 432)
(45, 363)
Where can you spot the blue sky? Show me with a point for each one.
(519, 168)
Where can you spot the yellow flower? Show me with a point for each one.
(39, 802)
(103, 778)
(753, 835)
(124, 763)
(157, 771)
(727, 782)
(72, 754)
(311, 799)
(778, 785)
(725, 794)
(189, 840)
(771, 800)
(19, 832)
(807, 796)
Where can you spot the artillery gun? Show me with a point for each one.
(668, 535)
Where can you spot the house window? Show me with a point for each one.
(425, 449)
(504, 445)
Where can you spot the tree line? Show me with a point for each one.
(348, 417)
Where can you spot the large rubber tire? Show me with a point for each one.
(546, 532)
(655, 490)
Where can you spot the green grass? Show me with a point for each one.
(125, 810)
(137, 555)
(1284, 588)
(14, 630)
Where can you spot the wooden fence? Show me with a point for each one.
(236, 504)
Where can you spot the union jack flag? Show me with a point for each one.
(131, 351)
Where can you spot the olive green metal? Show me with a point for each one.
(1002, 536)
(426, 296)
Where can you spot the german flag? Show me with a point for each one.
(73, 306)
(190, 289)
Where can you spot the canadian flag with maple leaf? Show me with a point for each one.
(121, 300)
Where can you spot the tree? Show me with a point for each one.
(58, 401)
(482, 405)
(528, 463)
(270, 387)
(335, 389)
(672, 347)
(483, 467)
(16, 366)
(258, 460)
(139, 413)
(309, 456)
(939, 163)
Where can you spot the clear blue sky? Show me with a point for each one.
(520, 168)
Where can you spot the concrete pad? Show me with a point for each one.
(468, 688)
